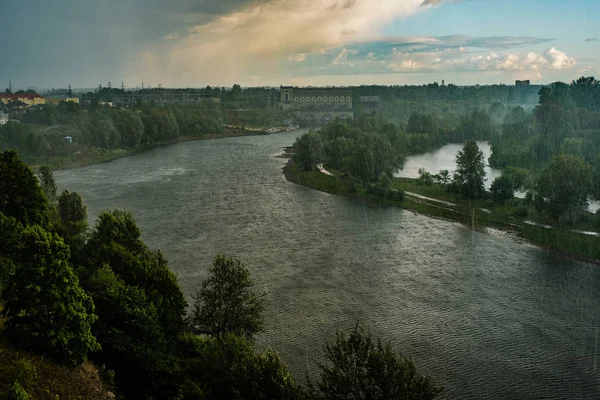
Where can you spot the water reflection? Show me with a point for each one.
(445, 158)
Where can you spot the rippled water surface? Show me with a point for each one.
(487, 316)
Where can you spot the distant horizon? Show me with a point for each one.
(92, 89)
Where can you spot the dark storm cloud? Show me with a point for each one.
(52, 43)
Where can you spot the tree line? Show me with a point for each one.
(40, 132)
(74, 294)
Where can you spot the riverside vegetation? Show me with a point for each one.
(100, 132)
(550, 154)
(73, 298)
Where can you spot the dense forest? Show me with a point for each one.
(72, 294)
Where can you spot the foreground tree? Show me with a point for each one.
(565, 186)
(20, 194)
(73, 219)
(469, 177)
(227, 302)
(45, 307)
(360, 369)
(47, 183)
(139, 304)
(229, 368)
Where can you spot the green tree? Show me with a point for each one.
(132, 129)
(133, 338)
(47, 183)
(73, 219)
(106, 134)
(360, 369)
(443, 177)
(16, 392)
(469, 176)
(308, 150)
(565, 186)
(10, 233)
(227, 301)
(228, 368)
(116, 242)
(45, 307)
(20, 195)
(502, 189)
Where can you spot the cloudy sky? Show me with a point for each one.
(303, 42)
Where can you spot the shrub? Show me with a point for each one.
(16, 392)
(521, 211)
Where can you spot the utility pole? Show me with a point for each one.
(109, 84)
(122, 86)
(10, 86)
(70, 92)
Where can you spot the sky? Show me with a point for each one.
(195, 43)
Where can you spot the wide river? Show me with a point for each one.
(486, 315)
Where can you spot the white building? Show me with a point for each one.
(3, 118)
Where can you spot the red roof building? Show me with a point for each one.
(31, 99)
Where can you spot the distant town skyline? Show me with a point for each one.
(186, 43)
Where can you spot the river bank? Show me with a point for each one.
(478, 215)
(90, 156)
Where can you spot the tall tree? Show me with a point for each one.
(20, 195)
(360, 369)
(73, 219)
(45, 307)
(469, 176)
(227, 301)
(565, 185)
(116, 242)
(47, 183)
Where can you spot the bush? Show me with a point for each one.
(398, 195)
(425, 178)
(16, 392)
(521, 211)
(359, 368)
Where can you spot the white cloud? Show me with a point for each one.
(300, 57)
(343, 56)
(247, 41)
(558, 60)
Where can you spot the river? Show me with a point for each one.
(487, 316)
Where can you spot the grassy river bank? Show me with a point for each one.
(435, 201)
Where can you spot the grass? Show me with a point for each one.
(469, 213)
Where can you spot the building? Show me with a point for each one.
(317, 105)
(58, 98)
(165, 97)
(3, 117)
(523, 83)
(29, 99)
